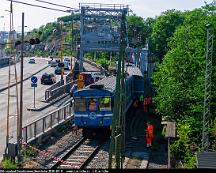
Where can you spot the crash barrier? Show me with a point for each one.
(44, 124)
(61, 90)
(48, 90)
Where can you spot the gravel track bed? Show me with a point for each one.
(54, 147)
(101, 159)
(158, 159)
(135, 125)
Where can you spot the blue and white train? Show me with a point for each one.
(93, 105)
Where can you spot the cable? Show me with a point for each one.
(40, 6)
(54, 4)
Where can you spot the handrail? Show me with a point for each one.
(46, 123)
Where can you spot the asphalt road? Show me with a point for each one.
(28, 99)
(28, 94)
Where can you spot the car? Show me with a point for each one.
(97, 76)
(73, 89)
(66, 65)
(48, 78)
(67, 59)
(58, 70)
(53, 63)
(31, 60)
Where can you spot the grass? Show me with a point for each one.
(8, 164)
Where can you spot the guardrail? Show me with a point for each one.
(48, 90)
(37, 128)
(53, 94)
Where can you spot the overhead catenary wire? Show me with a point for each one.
(34, 5)
(59, 5)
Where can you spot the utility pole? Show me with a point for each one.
(19, 121)
(117, 136)
(207, 95)
(62, 68)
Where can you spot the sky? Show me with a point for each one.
(35, 17)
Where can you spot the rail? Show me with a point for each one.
(42, 125)
(48, 90)
(53, 94)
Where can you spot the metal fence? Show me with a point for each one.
(55, 93)
(48, 90)
(46, 123)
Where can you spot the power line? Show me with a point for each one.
(59, 5)
(34, 5)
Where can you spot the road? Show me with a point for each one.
(28, 116)
(29, 69)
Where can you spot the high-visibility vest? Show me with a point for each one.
(141, 98)
(150, 129)
(106, 100)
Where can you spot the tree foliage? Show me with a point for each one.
(179, 81)
(162, 30)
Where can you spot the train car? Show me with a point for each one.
(93, 105)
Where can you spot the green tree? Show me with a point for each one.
(162, 30)
(179, 82)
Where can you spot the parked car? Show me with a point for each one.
(58, 70)
(31, 60)
(73, 89)
(48, 78)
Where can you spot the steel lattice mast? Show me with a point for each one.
(207, 95)
(117, 136)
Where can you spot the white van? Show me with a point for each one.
(97, 76)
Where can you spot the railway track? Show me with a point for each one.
(79, 155)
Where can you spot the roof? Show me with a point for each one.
(133, 71)
(108, 82)
(206, 160)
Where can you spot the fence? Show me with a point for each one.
(48, 90)
(61, 90)
(46, 123)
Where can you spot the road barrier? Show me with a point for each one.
(48, 90)
(61, 90)
(41, 126)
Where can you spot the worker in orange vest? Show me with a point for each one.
(149, 134)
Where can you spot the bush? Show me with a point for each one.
(7, 164)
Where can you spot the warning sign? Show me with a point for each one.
(80, 81)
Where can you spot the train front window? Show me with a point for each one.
(105, 104)
(80, 104)
(92, 104)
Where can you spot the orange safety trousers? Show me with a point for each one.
(149, 134)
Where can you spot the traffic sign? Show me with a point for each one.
(34, 79)
(33, 85)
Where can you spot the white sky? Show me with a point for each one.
(35, 17)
